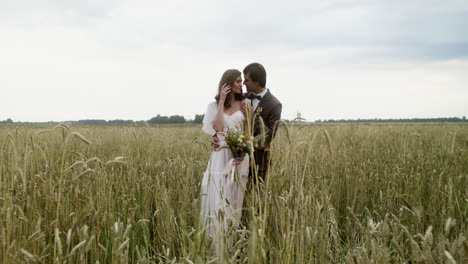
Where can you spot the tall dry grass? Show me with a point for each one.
(335, 194)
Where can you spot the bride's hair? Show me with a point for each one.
(229, 77)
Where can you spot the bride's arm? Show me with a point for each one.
(218, 122)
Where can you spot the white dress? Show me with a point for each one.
(222, 193)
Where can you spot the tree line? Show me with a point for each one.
(177, 119)
(399, 120)
(159, 119)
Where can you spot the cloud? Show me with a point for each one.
(135, 59)
(413, 30)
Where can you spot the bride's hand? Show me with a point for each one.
(246, 107)
(214, 143)
(238, 161)
(224, 92)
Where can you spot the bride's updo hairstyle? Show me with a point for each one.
(229, 77)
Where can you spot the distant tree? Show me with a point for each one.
(159, 119)
(9, 121)
(176, 119)
(400, 120)
(92, 122)
(198, 119)
(164, 119)
(120, 122)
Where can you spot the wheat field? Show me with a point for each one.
(341, 193)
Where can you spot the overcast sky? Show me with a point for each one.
(102, 59)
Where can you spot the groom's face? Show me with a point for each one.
(250, 85)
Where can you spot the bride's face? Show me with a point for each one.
(237, 86)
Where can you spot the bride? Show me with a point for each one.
(222, 197)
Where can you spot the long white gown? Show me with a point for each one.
(222, 194)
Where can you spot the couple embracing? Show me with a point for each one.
(222, 198)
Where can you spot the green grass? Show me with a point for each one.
(344, 193)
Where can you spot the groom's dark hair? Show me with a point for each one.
(257, 73)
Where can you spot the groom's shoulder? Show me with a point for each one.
(273, 98)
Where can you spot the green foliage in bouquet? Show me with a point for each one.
(239, 143)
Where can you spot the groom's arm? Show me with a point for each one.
(271, 122)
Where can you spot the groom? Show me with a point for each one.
(267, 107)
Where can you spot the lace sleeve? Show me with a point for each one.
(210, 115)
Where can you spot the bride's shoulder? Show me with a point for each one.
(214, 103)
(212, 106)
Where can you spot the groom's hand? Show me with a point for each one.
(214, 143)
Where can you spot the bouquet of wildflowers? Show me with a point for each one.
(239, 143)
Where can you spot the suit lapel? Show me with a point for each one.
(263, 101)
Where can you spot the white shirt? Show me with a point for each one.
(256, 102)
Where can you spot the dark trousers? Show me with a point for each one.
(262, 160)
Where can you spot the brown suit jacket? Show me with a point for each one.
(269, 110)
